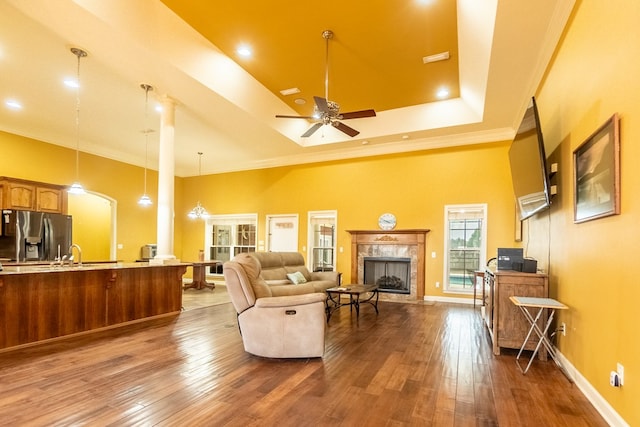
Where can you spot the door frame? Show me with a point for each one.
(293, 217)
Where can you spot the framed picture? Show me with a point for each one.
(596, 170)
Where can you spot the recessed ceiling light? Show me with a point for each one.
(244, 51)
(405, 136)
(435, 58)
(290, 91)
(13, 104)
(72, 83)
(442, 93)
(300, 101)
(365, 142)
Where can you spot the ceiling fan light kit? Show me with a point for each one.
(327, 112)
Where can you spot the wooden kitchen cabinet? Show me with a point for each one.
(506, 323)
(39, 304)
(32, 196)
(51, 199)
(19, 195)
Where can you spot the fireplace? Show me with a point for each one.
(397, 245)
(391, 274)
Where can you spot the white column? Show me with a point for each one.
(166, 168)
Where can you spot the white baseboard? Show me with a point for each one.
(453, 300)
(601, 405)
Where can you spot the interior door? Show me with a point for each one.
(283, 233)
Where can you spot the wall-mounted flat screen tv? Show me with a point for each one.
(528, 164)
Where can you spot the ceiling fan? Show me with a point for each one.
(328, 112)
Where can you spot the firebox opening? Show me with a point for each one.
(391, 274)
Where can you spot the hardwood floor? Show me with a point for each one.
(198, 298)
(413, 364)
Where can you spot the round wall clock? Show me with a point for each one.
(387, 221)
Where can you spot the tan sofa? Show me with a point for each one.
(274, 268)
(279, 320)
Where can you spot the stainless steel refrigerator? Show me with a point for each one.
(34, 236)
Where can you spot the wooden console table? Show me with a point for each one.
(200, 274)
(506, 325)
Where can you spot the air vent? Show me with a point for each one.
(435, 58)
(291, 91)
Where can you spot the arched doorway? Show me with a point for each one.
(94, 225)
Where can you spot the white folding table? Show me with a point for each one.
(524, 303)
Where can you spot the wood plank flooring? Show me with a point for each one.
(413, 364)
(198, 298)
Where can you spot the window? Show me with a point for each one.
(228, 235)
(322, 240)
(465, 245)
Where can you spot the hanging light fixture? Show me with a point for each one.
(198, 211)
(146, 200)
(76, 187)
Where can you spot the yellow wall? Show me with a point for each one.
(594, 264)
(415, 187)
(91, 225)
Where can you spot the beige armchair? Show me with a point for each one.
(291, 326)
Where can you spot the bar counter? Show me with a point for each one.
(41, 302)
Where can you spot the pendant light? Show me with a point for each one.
(198, 211)
(146, 200)
(76, 187)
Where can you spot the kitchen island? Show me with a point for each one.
(42, 302)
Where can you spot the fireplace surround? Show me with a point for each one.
(392, 244)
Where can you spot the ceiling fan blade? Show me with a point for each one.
(321, 103)
(344, 128)
(357, 114)
(311, 130)
(280, 116)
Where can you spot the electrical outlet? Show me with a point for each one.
(614, 379)
(563, 327)
(620, 374)
(437, 284)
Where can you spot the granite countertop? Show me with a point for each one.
(26, 268)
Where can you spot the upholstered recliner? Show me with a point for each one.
(291, 326)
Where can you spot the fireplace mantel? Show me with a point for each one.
(403, 237)
(409, 237)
